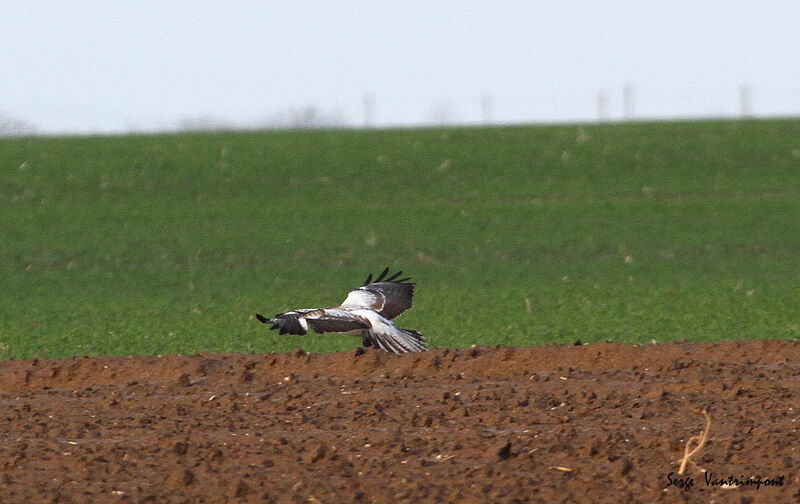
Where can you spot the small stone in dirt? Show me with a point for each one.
(184, 381)
(503, 450)
(188, 477)
(314, 455)
(627, 465)
(180, 448)
(242, 489)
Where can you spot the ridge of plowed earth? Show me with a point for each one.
(603, 423)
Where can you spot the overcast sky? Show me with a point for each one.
(121, 65)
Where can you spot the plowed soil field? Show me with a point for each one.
(601, 423)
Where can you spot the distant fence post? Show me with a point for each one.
(369, 110)
(602, 105)
(628, 101)
(745, 101)
(487, 103)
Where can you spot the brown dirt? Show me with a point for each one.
(594, 423)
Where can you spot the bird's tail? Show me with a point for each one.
(398, 341)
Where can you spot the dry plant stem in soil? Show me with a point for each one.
(699, 442)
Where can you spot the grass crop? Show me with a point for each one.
(515, 236)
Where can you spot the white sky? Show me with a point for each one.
(85, 66)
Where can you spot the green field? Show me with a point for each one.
(515, 236)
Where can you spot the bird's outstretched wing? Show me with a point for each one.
(289, 322)
(388, 296)
(337, 321)
(319, 320)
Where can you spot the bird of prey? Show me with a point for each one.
(367, 312)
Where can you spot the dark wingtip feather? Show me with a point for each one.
(262, 318)
(383, 274)
(383, 278)
(394, 276)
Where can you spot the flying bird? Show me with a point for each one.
(367, 312)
